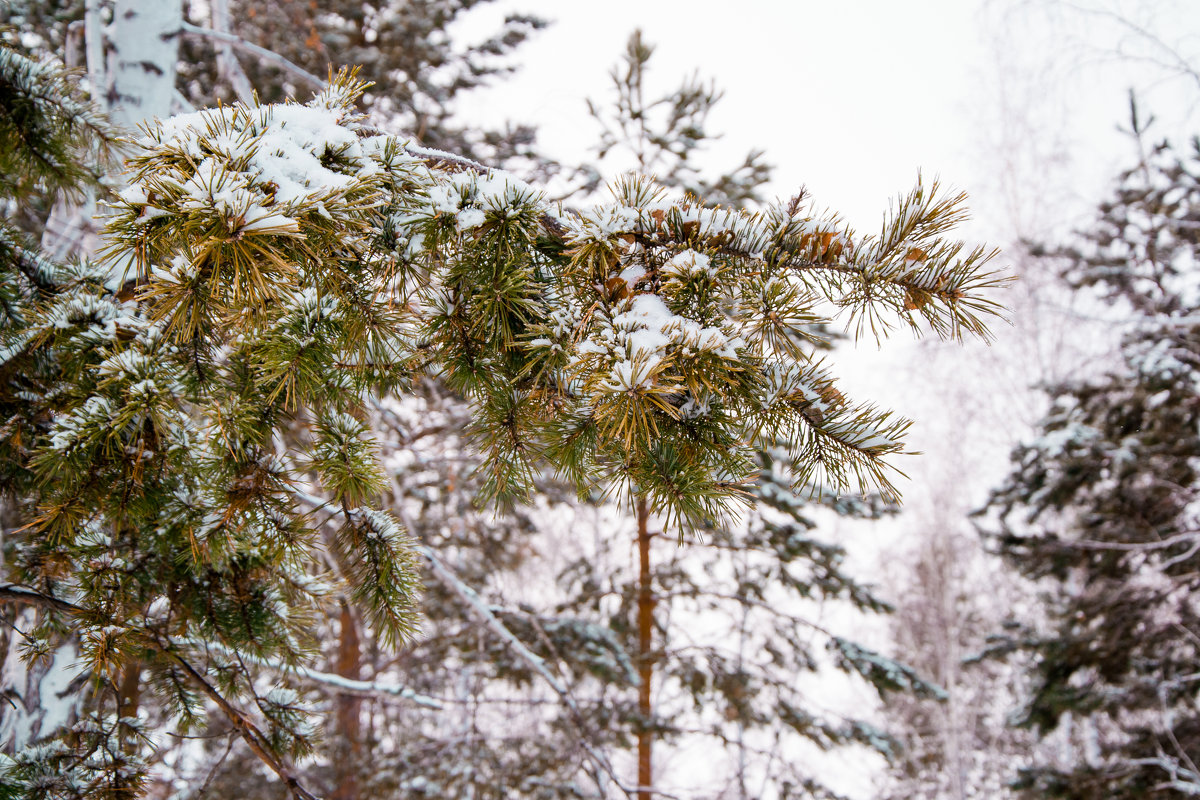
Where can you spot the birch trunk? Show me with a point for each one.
(136, 85)
(145, 50)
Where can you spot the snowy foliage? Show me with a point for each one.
(1102, 510)
(192, 411)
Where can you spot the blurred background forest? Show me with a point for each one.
(1026, 624)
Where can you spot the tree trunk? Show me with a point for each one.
(347, 749)
(39, 697)
(145, 51)
(93, 44)
(645, 660)
(137, 85)
(129, 699)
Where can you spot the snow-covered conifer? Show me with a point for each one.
(1100, 510)
(204, 478)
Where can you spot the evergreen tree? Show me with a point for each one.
(231, 48)
(56, 145)
(203, 477)
(608, 631)
(674, 591)
(663, 136)
(212, 362)
(1100, 510)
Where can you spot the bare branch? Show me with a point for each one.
(387, 692)
(12, 593)
(262, 53)
(247, 730)
(1173, 59)
(253, 737)
(227, 63)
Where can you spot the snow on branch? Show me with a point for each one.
(373, 689)
(263, 53)
(493, 623)
(254, 738)
(481, 610)
(23, 595)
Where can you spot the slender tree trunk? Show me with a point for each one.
(228, 67)
(37, 697)
(129, 699)
(348, 747)
(645, 624)
(137, 85)
(129, 691)
(743, 623)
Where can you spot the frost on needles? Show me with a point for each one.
(199, 435)
(648, 344)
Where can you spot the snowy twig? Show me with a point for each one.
(263, 53)
(250, 733)
(1181, 779)
(1136, 547)
(342, 684)
(227, 63)
(480, 609)
(441, 158)
(14, 593)
(471, 598)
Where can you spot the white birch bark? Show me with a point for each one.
(38, 697)
(137, 84)
(145, 51)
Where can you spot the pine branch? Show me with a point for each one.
(250, 733)
(23, 595)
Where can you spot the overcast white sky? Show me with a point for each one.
(852, 98)
(1017, 102)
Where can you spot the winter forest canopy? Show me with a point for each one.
(351, 450)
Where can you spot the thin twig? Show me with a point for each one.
(263, 53)
(471, 598)
(249, 732)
